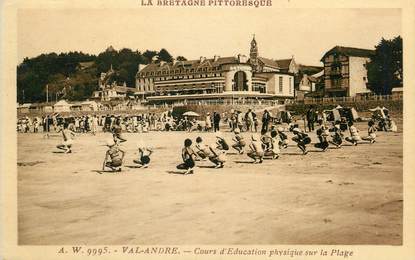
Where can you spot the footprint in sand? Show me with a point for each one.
(29, 163)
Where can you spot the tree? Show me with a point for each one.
(181, 58)
(384, 71)
(164, 55)
(148, 55)
(65, 76)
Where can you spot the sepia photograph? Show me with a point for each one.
(206, 126)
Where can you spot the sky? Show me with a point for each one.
(305, 34)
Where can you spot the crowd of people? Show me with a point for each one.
(145, 122)
(273, 138)
(270, 143)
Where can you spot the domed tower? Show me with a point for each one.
(253, 54)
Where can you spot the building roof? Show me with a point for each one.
(25, 105)
(189, 64)
(86, 64)
(312, 79)
(285, 63)
(123, 89)
(319, 74)
(269, 62)
(89, 102)
(62, 103)
(350, 51)
(309, 70)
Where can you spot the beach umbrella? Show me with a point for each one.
(375, 109)
(191, 113)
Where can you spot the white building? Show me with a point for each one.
(345, 72)
(216, 78)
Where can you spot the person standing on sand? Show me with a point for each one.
(311, 117)
(94, 125)
(208, 123)
(240, 121)
(266, 118)
(216, 121)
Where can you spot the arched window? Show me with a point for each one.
(240, 81)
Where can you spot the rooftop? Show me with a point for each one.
(269, 62)
(189, 64)
(285, 63)
(350, 51)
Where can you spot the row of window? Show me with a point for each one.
(259, 88)
(178, 71)
(256, 87)
(337, 69)
(195, 76)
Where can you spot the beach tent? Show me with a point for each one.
(355, 115)
(333, 115)
(191, 113)
(381, 112)
(338, 112)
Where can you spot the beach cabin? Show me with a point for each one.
(89, 106)
(24, 108)
(62, 106)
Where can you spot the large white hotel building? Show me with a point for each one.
(216, 78)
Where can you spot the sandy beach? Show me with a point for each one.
(351, 195)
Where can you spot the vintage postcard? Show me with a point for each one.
(207, 129)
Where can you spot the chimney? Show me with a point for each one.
(242, 58)
(174, 61)
(202, 59)
(216, 58)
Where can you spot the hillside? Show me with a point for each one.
(74, 75)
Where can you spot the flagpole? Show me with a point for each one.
(47, 93)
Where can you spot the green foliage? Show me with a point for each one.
(164, 55)
(385, 69)
(67, 78)
(148, 55)
(181, 58)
